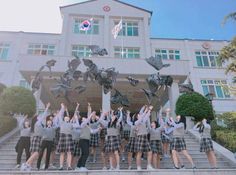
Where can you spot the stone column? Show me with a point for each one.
(37, 95)
(106, 101)
(173, 93)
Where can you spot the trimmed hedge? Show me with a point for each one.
(17, 100)
(225, 135)
(7, 124)
(227, 139)
(195, 105)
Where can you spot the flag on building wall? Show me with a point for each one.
(115, 31)
(86, 25)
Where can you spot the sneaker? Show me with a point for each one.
(194, 167)
(61, 168)
(17, 166)
(23, 167)
(117, 167)
(77, 169)
(182, 167)
(123, 158)
(111, 168)
(130, 168)
(69, 168)
(52, 167)
(43, 166)
(149, 167)
(175, 167)
(28, 167)
(94, 160)
(104, 168)
(139, 168)
(83, 169)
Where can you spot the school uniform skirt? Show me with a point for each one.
(178, 144)
(165, 139)
(142, 144)
(103, 134)
(130, 147)
(156, 146)
(125, 134)
(112, 143)
(206, 145)
(65, 143)
(35, 144)
(94, 140)
(77, 149)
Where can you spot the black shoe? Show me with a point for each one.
(60, 169)
(175, 167)
(69, 168)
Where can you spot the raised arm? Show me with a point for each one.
(204, 122)
(102, 119)
(86, 121)
(128, 119)
(89, 110)
(60, 114)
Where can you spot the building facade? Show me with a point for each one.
(22, 54)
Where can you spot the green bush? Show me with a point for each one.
(7, 124)
(226, 138)
(195, 105)
(229, 119)
(17, 100)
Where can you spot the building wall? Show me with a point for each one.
(19, 41)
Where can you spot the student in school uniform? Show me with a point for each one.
(178, 143)
(125, 134)
(112, 142)
(24, 141)
(94, 141)
(142, 144)
(37, 129)
(130, 147)
(49, 133)
(206, 144)
(103, 134)
(65, 144)
(155, 141)
(85, 136)
(75, 137)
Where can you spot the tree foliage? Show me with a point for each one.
(17, 100)
(2, 87)
(195, 105)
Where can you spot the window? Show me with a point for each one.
(168, 54)
(94, 29)
(207, 59)
(129, 29)
(4, 49)
(41, 49)
(126, 52)
(25, 84)
(214, 87)
(81, 51)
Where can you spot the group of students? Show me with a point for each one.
(77, 137)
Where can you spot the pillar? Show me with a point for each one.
(173, 93)
(106, 101)
(37, 96)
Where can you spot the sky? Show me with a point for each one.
(192, 19)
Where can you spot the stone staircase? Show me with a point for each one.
(8, 157)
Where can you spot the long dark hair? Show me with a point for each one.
(33, 121)
(134, 118)
(183, 120)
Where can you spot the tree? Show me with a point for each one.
(228, 53)
(17, 100)
(194, 105)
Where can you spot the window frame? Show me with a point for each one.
(4, 51)
(40, 49)
(207, 59)
(126, 52)
(166, 53)
(78, 21)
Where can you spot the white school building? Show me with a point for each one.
(23, 53)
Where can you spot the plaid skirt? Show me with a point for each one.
(112, 143)
(125, 134)
(77, 150)
(94, 140)
(156, 146)
(130, 147)
(35, 144)
(65, 143)
(103, 133)
(142, 144)
(178, 144)
(165, 139)
(206, 145)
